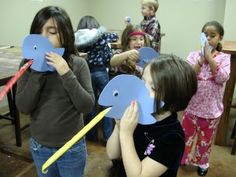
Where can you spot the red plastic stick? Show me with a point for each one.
(13, 80)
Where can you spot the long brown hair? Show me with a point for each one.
(64, 26)
(174, 82)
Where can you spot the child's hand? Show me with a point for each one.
(129, 120)
(207, 52)
(201, 60)
(133, 57)
(57, 62)
(117, 123)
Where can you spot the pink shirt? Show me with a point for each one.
(208, 101)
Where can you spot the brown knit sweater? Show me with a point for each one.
(56, 103)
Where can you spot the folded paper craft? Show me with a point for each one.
(35, 47)
(146, 54)
(119, 93)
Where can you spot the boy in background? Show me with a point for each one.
(150, 24)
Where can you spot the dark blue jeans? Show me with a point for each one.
(99, 78)
(70, 164)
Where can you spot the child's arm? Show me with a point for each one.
(28, 90)
(196, 61)
(113, 144)
(118, 59)
(79, 87)
(154, 32)
(197, 66)
(209, 58)
(77, 83)
(222, 71)
(133, 165)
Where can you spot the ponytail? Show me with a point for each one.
(219, 47)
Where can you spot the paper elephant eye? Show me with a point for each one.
(35, 47)
(115, 93)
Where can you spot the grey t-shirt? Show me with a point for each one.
(56, 103)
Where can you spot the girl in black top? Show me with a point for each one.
(156, 149)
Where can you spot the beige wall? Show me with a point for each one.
(181, 20)
(229, 20)
(16, 16)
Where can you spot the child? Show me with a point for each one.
(156, 149)
(124, 60)
(56, 101)
(150, 24)
(94, 40)
(202, 115)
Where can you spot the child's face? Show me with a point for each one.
(136, 42)
(146, 11)
(148, 81)
(50, 31)
(212, 35)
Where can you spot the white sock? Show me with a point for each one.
(204, 166)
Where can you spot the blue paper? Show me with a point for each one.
(119, 93)
(35, 47)
(203, 42)
(145, 55)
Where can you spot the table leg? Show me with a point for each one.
(228, 96)
(16, 117)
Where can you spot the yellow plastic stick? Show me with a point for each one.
(73, 140)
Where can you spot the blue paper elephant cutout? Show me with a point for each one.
(35, 47)
(146, 54)
(119, 93)
(203, 44)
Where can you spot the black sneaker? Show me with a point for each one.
(202, 171)
(115, 162)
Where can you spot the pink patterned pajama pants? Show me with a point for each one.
(203, 130)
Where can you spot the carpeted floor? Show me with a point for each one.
(17, 162)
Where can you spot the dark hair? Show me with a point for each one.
(219, 28)
(125, 38)
(174, 83)
(88, 22)
(64, 26)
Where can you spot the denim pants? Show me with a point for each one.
(70, 164)
(99, 78)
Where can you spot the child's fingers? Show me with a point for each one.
(134, 111)
(131, 112)
(52, 56)
(126, 113)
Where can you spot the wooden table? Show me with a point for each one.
(116, 45)
(230, 48)
(9, 64)
(83, 55)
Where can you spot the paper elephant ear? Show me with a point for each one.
(145, 55)
(119, 93)
(35, 47)
(203, 42)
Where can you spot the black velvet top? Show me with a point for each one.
(163, 142)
